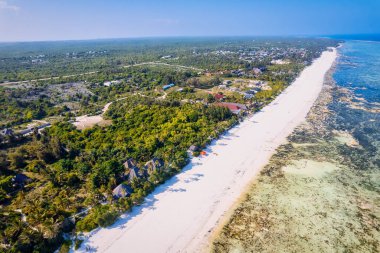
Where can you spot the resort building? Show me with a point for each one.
(153, 165)
(168, 86)
(122, 191)
(234, 107)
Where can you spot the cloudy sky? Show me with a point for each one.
(30, 20)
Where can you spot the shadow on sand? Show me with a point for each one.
(150, 200)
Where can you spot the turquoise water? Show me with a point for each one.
(358, 72)
(320, 192)
(359, 69)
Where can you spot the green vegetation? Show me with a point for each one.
(60, 180)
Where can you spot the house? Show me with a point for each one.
(26, 132)
(280, 62)
(248, 95)
(218, 96)
(234, 107)
(122, 191)
(135, 173)
(6, 132)
(166, 57)
(256, 71)
(30, 130)
(193, 148)
(227, 82)
(109, 83)
(153, 165)
(168, 86)
(43, 126)
(132, 171)
(130, 163)
(20, 180)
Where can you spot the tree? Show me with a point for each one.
(3, 162)
(56, 147)
(16, 159)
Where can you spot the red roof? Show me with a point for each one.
(231, 106)
(218, 96)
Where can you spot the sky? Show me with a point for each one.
(36, 20)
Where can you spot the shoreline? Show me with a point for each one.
(320, 105)
(183, 213)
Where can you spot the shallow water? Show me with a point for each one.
(320, 192)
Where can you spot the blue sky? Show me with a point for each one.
(29, 20)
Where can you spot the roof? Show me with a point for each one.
(234, 107)
(130, 163)
(153, 165)
(193, 148)
(134, 173)
(218, 96)
(26, 131)
(168, 86)
(21, 179)
(7, 131)
(122, 190)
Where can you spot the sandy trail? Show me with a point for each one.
(180, 215)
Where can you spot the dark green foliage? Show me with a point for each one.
(75, 171)
(99, 216)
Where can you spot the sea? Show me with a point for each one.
(321, 191)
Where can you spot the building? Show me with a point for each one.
(193, 149)
(130, 163)
(135, 173)
(132, 171)
(7, 132)
(234, 107)
(256, 71)
(219, 96)
(280, 62)
(153, 165)
(29, 131)
(168, 86)
(20, 180)
(122, 191)
(109, 83)
(248, 95)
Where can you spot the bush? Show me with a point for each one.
(106, 219)
(77, 244)
(65, 248)
(87, 224)
(100, 216)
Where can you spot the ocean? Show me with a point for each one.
(321, 191)
(358, 71)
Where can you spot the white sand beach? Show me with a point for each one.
(180, 215)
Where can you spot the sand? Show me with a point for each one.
(180, 215)
(85, 121)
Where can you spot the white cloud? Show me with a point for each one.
(4, 5)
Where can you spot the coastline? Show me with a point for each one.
(319, 191)
(317, 114)
(182, 213)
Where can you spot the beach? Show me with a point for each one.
(182, 214)
(320, 190)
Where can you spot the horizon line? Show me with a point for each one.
(331, 36)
